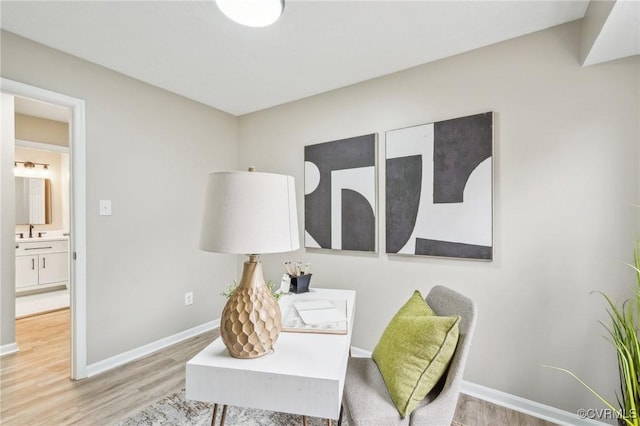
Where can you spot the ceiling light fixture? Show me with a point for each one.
(252, 13)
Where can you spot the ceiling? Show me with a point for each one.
(190, 48)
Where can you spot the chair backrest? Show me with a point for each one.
(446, 302)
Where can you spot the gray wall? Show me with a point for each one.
(566, 179)
(149, 152)
(7, 224)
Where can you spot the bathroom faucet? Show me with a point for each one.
(30, 231)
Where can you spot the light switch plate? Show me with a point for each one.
(105, 207)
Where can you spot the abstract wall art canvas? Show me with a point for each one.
(439, 188)
(340, 201)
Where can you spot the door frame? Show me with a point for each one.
(77, 211)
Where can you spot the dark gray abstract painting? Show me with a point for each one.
(439, 188)
(340, 194)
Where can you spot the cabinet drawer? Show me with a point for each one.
(37, 247)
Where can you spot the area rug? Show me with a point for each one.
(174, 410)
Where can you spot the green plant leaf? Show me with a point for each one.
(275, 291)
(622, 333)
(604, 401)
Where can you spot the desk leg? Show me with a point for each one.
(304, 421)
(224, 415)
(215, 412)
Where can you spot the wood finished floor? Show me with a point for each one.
(35, 388)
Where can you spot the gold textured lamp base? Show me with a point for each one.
(251, 320)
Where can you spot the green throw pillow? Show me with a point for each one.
(414, 352)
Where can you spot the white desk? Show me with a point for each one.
(304, 375)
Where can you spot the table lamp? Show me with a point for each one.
(250, 213)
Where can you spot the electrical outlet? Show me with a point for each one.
(188, 298)
(105, 207)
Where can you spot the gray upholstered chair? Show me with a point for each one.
(366, 401)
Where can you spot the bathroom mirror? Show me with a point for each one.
(33, 201)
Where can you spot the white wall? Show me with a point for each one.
(566, 178)
(149, 152)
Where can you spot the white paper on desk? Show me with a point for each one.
(314, 304)
(319, 312)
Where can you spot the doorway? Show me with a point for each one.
(42, 177)
(77, 216)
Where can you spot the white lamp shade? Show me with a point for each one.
(249, 213)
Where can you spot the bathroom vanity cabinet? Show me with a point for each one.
(41, 263)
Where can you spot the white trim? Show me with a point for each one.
(359, 353)
(513, 402)
(532, 408)
(78, 237)
(132, 355)
(9, 348)
(78, 241)
(42, 146)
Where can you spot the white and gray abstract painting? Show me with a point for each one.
(439, 188)
(340, 194)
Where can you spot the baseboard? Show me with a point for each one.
(9, 348)
(359, 353)
(532, 408)
(513, 402)
(125, 357)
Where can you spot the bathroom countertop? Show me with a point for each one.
(42, 239)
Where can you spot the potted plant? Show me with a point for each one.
(275, 291)
(623, 335)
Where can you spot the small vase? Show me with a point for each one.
(251, 320)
